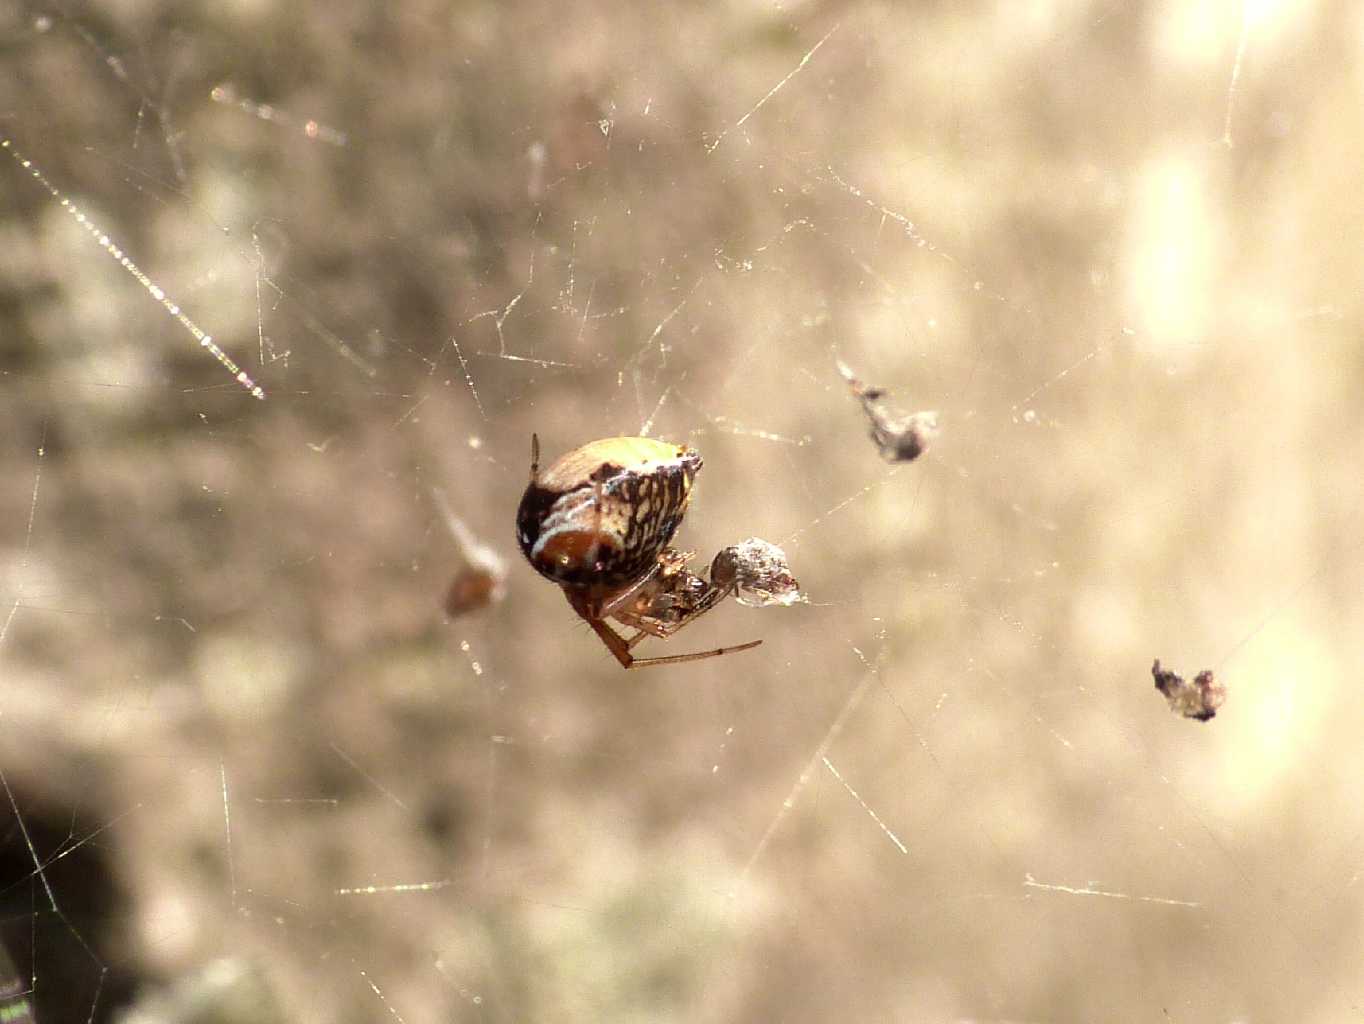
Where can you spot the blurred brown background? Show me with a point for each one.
(268, 779)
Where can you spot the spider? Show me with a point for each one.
(598, 522)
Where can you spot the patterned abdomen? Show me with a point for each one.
(601, 515)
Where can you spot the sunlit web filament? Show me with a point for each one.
(109, 246)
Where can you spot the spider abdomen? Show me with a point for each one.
(601, 515)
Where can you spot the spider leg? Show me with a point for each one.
(677, 659)
(669, 563)
(615, 643)
(650, 625)
(620, 647)
(622, 599)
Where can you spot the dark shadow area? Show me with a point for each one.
(81, 976)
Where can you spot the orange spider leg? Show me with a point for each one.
(620, 647)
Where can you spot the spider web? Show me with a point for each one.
(248, 764)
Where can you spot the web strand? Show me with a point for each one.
(112, 248)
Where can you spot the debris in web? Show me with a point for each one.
(1198, 700)
(481, 579)
(759, 573)
(473, 588)
(898, 437)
